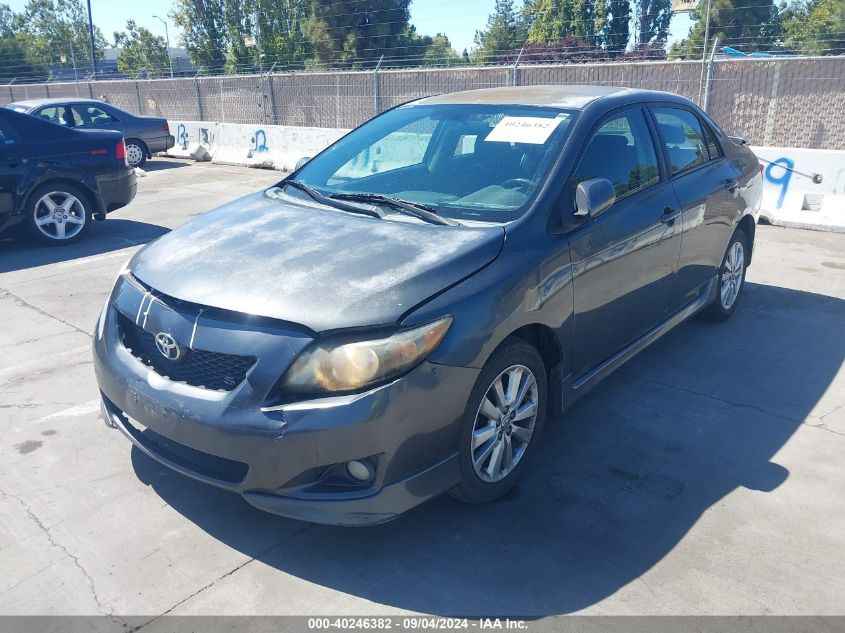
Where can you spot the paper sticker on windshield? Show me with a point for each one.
(523, 129)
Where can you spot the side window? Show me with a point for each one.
(684, 138)
(91, 115)
(60, 115)
(621, 151)
(401, 148)
(7, 133)
(712, 144)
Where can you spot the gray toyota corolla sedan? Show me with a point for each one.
(397, 318)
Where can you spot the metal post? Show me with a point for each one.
(709, 75)
(704, 51)
(167, 37)
(272, 94)
(376, 85)
(199, 97)
(515, 77)
(11, 92)
(138, 92)
(91, 37)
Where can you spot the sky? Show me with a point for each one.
(458, 19)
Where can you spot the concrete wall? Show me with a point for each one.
(791, 197)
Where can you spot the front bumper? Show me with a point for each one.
(275, 457)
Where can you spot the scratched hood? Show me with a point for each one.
(323, 269)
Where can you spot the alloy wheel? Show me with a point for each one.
(59, 215)
(504, 423)
(732, 275)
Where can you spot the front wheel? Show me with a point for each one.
(503, 419)
(731, 279)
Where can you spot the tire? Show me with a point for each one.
(58, 213)
(731, 279)
(482, 480)
(136, 153)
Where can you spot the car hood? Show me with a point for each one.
(324, 269)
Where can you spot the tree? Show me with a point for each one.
(203, 34)
(441, 53)
(506, 30)
(615, 33)
(356, 33)
(140, 50)
(17, 62)
(553, 20)
(653, 18)
(52, 30)
(746, 25)
(568, 50)
(280, 30)
(814, 27)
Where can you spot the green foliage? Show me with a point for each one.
(653, 18)
(441, 53)
(16, 59)
(356, 33)
(814, 27)
(48, 31)
(140, 50)
(506, 30)
(203, 32)
(746, 25)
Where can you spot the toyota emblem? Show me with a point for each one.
(167, 346)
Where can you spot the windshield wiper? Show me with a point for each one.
(415, 209)
(331, 202)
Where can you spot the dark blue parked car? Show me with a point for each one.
(397, 318)
(55, 181)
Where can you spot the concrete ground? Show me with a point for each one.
(705, 477)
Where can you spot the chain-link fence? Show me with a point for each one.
(795, 102)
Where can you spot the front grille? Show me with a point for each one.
(199, 368)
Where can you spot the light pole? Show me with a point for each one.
(91, 38)
(167, 37)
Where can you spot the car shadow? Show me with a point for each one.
(620, 478)
(19, 252)
(161, 164)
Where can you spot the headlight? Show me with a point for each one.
(351, 365)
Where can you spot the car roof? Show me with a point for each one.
(575, 96)
(33, 103)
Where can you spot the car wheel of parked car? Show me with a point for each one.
(731, 279)
(502, 422)
(58, 213)
(136, 153)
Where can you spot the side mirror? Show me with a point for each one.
(301, 162)
(593, 197)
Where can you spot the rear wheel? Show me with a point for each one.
(731, 279)
(136, 153)
(58, 213)
(502, 422)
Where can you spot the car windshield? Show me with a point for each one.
(466, 162)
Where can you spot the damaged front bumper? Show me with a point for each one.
(288, 459)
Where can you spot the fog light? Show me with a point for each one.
(362, 471)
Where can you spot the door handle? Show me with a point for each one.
(13, 162)
(731, 184)
(669, 215)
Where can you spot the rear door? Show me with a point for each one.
(624, 260)
(706, 185)
(12, 165)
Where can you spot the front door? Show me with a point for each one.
(12, 162)
(624, 261)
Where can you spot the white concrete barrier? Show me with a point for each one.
(270, 146)
(190, 134)
(791, 197)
